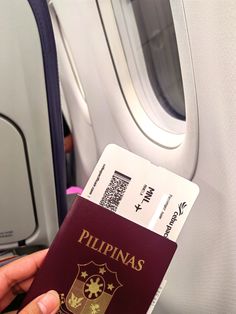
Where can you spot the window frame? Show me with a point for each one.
(165, 130)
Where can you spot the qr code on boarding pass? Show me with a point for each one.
(115, 191)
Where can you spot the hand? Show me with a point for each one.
(68, 143)
(16, 277)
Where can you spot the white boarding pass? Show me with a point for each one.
(134, 188)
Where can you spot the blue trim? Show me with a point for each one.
(42, 17)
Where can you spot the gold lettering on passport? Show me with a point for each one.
(92, 290)
(110, 250)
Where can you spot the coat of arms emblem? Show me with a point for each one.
(92, 290)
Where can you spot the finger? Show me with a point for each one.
(8, 298)
(17, 276)
(47, 303)
(20, 270)
(11, 294)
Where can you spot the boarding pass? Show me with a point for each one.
(134, 188)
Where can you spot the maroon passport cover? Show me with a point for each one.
(101, 262)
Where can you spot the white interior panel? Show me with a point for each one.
(111, 119)
(75, 105)
(202, 278)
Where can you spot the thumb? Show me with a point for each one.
(47, 303)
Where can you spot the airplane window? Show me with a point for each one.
(148, 37)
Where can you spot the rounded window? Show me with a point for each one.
(158, 43)
(147, 35)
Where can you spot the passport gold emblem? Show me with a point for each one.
(92, 290)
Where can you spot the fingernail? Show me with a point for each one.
(49, 302)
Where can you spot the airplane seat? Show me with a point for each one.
(32, 165)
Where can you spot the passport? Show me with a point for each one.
(100, 262)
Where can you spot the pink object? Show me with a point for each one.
(74, 190)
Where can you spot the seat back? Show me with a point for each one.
(32, 167)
